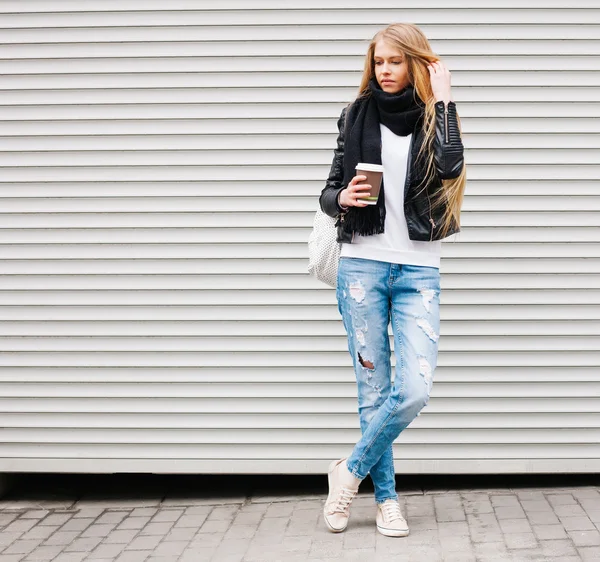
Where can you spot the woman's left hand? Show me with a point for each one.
(440, 81)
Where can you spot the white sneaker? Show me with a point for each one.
(389, 519)
(337, 507)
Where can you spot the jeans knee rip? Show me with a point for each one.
(357, 291)
(369, 367)
(427, 374)
(427, 328)
(427, 295)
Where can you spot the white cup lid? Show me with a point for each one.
(369, 167)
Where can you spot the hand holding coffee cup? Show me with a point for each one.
(361, 195)
(350, 197)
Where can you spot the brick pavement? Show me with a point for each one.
(454, 525)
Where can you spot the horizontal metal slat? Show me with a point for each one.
(286, 78)
(324, 451)
(90, 7)
(182, 18)
(266, 311)
(277, 142)
(276, 390)
(449, 46)
(272, 328)
(289, 405)
(298, 374)
(277, 63)
(232, 420)
(304, 437)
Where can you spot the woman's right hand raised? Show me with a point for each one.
(349, 196)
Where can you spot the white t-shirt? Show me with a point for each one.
(394, 245)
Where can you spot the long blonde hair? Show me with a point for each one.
(412, 42)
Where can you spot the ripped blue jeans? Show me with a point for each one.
(370, 293)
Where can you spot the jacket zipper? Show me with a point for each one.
(430, 219)
(446, 123)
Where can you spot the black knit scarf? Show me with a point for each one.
(399, 112)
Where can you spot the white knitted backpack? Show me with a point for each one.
(323, 249)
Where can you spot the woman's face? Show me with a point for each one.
(391, 70)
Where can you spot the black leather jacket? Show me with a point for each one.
(423, 222)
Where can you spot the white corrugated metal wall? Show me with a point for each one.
(160, 171)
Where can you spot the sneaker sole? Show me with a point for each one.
(330, 469)
(392, 532)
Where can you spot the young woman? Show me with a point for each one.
(405, 119)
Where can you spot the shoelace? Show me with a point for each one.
(343, 500)
(391, 511)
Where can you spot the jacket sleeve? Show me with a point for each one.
(334, 183)
(448, 146)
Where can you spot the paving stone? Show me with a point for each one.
(509, 512)
(111, 517)
(451, 528)
(535, 505)
(543, 518)
(39, 532)
(124, 536)
(144, 511)
(425, 523)
(134, 556)
(589, 553)
(515, 526)
(545, 532)
(201, 554)
(98, 530)
(83, 544)
(558, 548)
(577, 524)
(11, 557)
(240, 532)
(359, 540)
(70, 557)
(520, 540)
(167, 515)
(103, 551)
(488, 550)
(450, 515)
(183, 534)
(504, 500)
(86, 512)
(133, 523)
(569, 510)
(6, 518)
(594, 515)
(22, 546)
(529, 495)
(44, 553)
(20, 526)
(561, 499)
(56, 519)
(157, 528)
(147, 542)
(35, 514)
(61, 537)
(585, 538)
(459, 557)
(198, 520)
(478, 507)
(455, 543)
(170, 548)
(8, 538)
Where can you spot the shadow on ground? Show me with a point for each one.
(74, 487)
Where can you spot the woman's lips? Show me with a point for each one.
(387, 81)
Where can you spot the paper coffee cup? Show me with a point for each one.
(374, 173)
